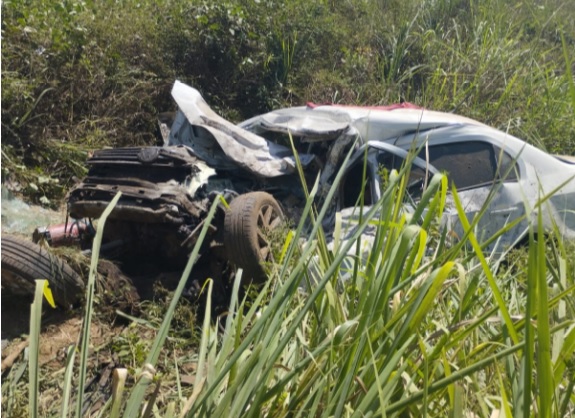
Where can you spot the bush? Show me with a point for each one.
(80, 75)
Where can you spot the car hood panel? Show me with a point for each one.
(221, 143)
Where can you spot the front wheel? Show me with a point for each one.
(247, 229)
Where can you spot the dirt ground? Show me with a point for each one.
(115, 292)
(116, 341)
(59, 330)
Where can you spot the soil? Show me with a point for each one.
(59, 330)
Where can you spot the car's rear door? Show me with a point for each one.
(486, 179)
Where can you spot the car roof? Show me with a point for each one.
(371, 123)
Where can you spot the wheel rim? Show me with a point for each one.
(268, 220)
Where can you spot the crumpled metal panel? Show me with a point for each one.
(224, 145)
(301, 122)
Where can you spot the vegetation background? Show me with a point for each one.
(80, 75)
(422, 326)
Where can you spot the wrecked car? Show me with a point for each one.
(167, 190)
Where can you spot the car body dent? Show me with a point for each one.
(262, 148)
(222, 144)
(299, 121)
(373, 124)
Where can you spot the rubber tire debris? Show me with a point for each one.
(26, 262)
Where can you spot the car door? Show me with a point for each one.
(381, 158)
(486, 178)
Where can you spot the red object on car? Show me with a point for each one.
(66, 234)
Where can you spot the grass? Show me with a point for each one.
(410, 326)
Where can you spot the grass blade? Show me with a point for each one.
(90, 303)
(137, 396)
(487, 271)
(201, 374)
(118, 383)
(70, 357)
(545, 381)
(33, 365)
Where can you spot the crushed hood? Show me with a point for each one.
(300, 122)
(224, 145)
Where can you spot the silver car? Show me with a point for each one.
(167, 190)
(487, 166)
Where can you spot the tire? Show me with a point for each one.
(23, 262)
(247, 224)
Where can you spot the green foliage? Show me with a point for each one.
(80, 75)
(435, 335)
(405, 335)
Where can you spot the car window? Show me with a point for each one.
(388, 161)
(508, 170)
(471, 163)
(352, 186)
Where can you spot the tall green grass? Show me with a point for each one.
(407, 325)
(415, 326)
(385, 341)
